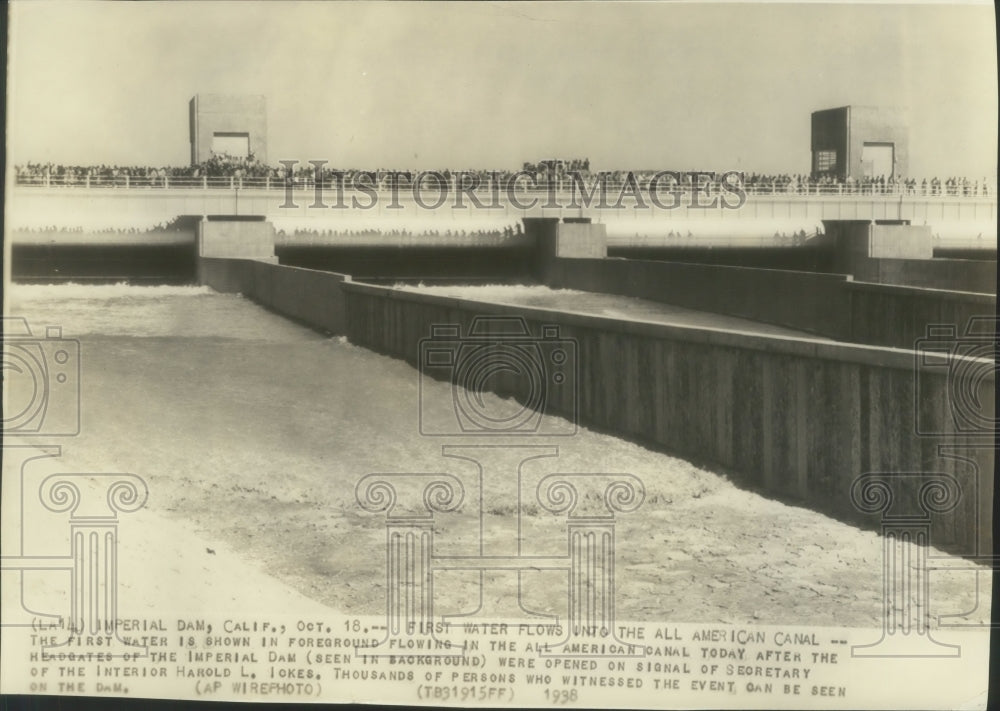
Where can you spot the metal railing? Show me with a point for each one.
(484, 185)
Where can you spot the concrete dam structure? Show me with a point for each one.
(149, 232)
(807, 338)
(37, 205)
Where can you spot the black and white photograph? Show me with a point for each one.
(500, 354)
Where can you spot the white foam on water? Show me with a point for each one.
(489, 292)
(628, 308)
(146, 311)
(260, 444)
(73, 290)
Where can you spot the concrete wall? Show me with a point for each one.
(898, 316)
(829, 305)
(806, 301)
(954, 274)
(797, 418)
(578, 239)
(809, 258)
(858, 241)
(227, 113)
(553, 239)
(311, 297)
(252, 239)
(878, 124)
(226, 275)
(824, 304)
(903, 255)
(900, 242)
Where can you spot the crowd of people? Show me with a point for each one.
(93, 227)
(867, 185)
(305, 234)
(227, 171)
(80, 229)
(218, 166)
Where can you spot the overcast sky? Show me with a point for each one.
(638, 85)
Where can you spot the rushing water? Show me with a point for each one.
(611, 305)
(255, 431)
